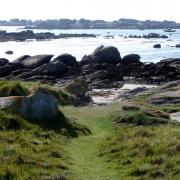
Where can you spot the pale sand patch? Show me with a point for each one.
(134, 86)
(175, 116)
(104, 96)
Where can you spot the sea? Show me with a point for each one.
(79, 47)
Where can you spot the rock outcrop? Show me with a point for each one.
(103, 54)
(39, 106)
(103, 68)
(35, 61)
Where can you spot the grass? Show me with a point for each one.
(127, 140)
(12, 88)
(170, 108)
(20, 88)
(141, 115)
(83, 154)
(31, 149)
(145, 144)
(32, 154)
(144, 152)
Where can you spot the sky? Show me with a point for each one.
(90, 9)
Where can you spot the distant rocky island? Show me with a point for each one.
(30, 35)
(91, 24)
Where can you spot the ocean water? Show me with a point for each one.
(79, 47)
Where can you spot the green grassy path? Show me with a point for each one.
(86, 165)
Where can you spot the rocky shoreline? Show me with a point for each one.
(30, 35)
(104, 68)
(27, 35)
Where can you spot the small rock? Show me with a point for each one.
(36, 142)
(9, 52)
(157, 46)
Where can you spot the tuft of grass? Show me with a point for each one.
(12, 88)
(142, 115)
(20, 88)
(170, 108)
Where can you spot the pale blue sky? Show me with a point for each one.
(90, 9)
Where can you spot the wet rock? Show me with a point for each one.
(3, 61)
(66, 59)
(130, 59)
(53, 68)
(5, 70)
(35, 61)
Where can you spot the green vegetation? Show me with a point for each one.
(146, 152)
(31, 149)
(31, 154)
(20, 88)
(142, 115)
(145, 144)
(12, 88)
(170, 108)
(83, 151)
(126, 140)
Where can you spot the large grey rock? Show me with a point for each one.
(102, 54)
(36, 61)
(5, 70)
(78, 87)
(108, 54)
(39, 106)
(131, 59)
(53, 68)
(66, 59)
(20, 59)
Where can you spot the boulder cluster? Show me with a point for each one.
(103, 68)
